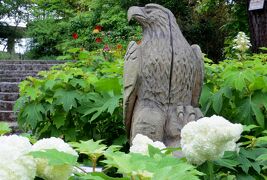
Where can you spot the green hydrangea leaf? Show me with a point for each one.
(99, 104)
(66, 98)
(90, 147)
(33, 113)
(55, 157)
(59, 119)
(4, 128)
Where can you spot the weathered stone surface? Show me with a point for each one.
(12, 79)
(9, 86)
(24, 67)
(11, 74)
(7, 116)
(32, 62)
(6, 105)
(163, 77)
(8, 96)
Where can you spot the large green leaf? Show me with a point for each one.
(33, 93)
(4, 128)
(217, 101)
(49, 84)
(59, 118)
(55, 157)
(159, 166)
(108, 84)
(229, 163)
(67, 98)
(90, 147)
(33, 113)
(99, 104)
(99, 176)
(251, 108)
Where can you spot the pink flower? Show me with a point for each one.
(106, 48)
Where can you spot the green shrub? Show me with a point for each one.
(249, 162)
(77, 100)
(237, 90)
(53, 31)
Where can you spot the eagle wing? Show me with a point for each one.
(199, 75)
(130, 76)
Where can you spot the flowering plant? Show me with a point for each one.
(19, 160)
(241, 44)
(208, 138)
(141, 142)
(50, 172)
(15, 163)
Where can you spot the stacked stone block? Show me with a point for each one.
(11, 74)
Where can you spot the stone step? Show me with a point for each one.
(12, 79)
(15, 75)
(2, 72)
(33, 62)
(7, 116)
(6, 105)
(8, 96)
(25, 67)
(9, 87)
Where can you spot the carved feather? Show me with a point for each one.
(131, 68)
(199, 75)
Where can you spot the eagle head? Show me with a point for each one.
(150, 15)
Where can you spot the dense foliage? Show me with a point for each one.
(17, 12)
(78, 100)
(62, 25)
(249, 162)
(237, 90)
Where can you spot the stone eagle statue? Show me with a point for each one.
(163, 78)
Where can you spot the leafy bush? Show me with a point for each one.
(237, 90)
(77, 100)
(66, 25)
(251, 160)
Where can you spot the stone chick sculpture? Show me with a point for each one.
(163, 77)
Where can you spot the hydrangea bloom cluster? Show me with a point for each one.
(141, 142)
(242, 42)
(208, 138)
(15, 164)
(46, 171)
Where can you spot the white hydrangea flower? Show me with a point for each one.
(15, 163)
(208, 139)
(141, 142)
(46, 171)
(242, 42)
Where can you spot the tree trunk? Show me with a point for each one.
(11, 45)
(258, 27)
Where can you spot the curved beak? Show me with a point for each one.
(136, 13)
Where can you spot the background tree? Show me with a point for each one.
(258, 27)
(18, 12)
(62, 25)
(209, 23)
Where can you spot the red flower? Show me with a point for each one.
(99, 28)
(75, 36)
(119, 46)
(98, 40)
(106, 48)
